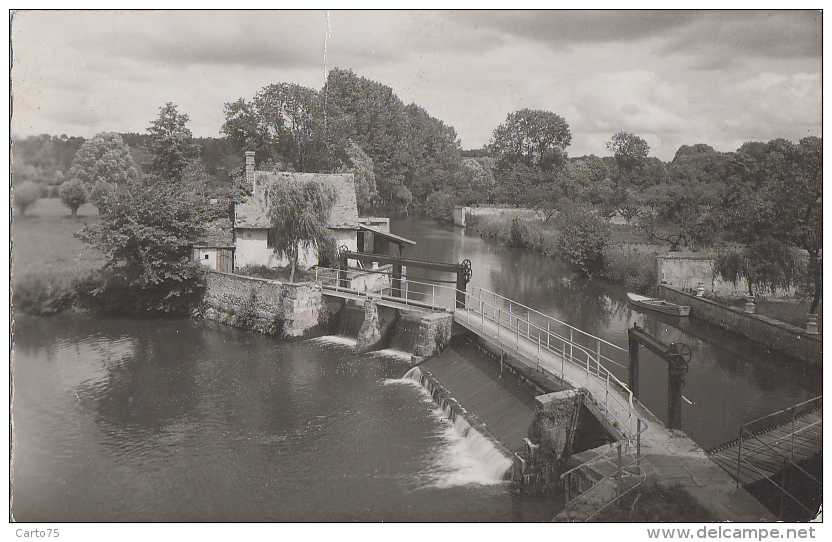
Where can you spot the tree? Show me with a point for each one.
(74, 194)
(25, 195)
(99, 194)
(298, 213)
(146, 231)
(582, 239)
(365, 177)
(777, 193)
(765, 265)
(105, 157)
(171, 143)
(533, 137)
(630, 152)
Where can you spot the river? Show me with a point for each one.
(118, 419)
(731, 380)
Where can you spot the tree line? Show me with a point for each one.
(766, 196)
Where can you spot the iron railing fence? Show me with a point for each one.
(530, 332)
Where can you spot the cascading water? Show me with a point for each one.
(405, 335)
(350, 322)
(469, 457)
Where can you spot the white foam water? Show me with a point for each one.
(391, 353)
(335, 340)
(466, 456)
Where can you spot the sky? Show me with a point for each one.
(672, 77)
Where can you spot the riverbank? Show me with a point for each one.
(625, 260)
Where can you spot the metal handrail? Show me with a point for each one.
(617, 474)
(792, 410)
(576, 354)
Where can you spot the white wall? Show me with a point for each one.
(252, 249)
(200, 257)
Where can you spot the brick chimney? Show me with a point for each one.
(251, 177)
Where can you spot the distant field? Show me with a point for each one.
(43, 241)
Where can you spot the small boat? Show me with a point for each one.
(659, 305)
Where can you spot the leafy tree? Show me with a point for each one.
(533, 137)
(630, 152)
(765, 265)
(146, 231)
(776, 192)
(440, 206)
(365, 177)
(582, 239)
(171, 143)
(105, 157)
(543, 198)
(99, 194)
(74, 194)
(25, 195)
(298, 213)
(246, 132)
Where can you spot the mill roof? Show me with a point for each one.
(254, 211)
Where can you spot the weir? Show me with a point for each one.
(543, 349)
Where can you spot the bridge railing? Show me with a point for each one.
(546, 335)
(532, 332)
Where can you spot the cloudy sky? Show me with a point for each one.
(674, 78)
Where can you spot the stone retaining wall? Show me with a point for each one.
(769, 332)
(293, 307)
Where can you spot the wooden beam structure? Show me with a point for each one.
(462, 270)
(638, 337)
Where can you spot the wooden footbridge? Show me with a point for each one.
(566, 356)
(772, 445)
(560, 352)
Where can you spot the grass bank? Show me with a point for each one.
(47, 258)
(44, 242)
(626, 262)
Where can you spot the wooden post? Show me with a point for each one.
(342, 273)
(633, 373)
(674, 400)
(397, 280)
(461, 284)
(618, 485)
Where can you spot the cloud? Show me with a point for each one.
(673, 77)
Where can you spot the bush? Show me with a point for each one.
(583, 237)
(518, 234)
(633, 268)
(440, 206)
(74, 194)
(122, 291)
(25, 195)
(43, 294)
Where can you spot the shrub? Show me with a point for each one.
(440, 206)
(633, 268)
(765, 265)
(74, 194)
(25, 195)
(583, 236)
(121, 291)
(518, 234)
(42, 294)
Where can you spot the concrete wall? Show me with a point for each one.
(771, 333)
(684, 270)
(296, 307)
